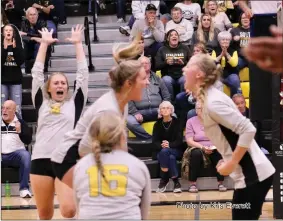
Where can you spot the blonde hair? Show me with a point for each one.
(211, 71)
(46, 93)
(127, 68)
(165, 103)
(200, 34)
(105, 132)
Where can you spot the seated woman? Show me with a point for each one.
(206, 33)
(167, 138)
(227, 56)
(240, 39)
(220, 19)
(202, 150)
(170, 59)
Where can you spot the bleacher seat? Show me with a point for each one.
(148, 126)
(246, 89)
(244, 75)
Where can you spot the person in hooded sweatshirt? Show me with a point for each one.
(170, 59)
(12, 57)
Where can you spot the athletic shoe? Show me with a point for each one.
(25, 194)
(162, 186)
(125, 30)
(222, 188)
(120, 20)
(177, 187)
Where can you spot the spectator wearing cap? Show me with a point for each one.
(182, 26)
(152, 31)
(138, 10)
(240, 102)
(15, 134)
(170, 59)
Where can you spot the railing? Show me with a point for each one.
(93, 3)
(88, 43)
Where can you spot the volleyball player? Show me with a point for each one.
(57, 114)
(110, 183)
(233, 135)
(128, 79)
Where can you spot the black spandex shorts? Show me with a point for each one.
(42, 167)
(60, 169)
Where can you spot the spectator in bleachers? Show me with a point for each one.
(191, 11)
(14, 10)
(206, 33)
(240, 101)
(222, 5)
(121, 10)
(146, 109)
(167, 138)
(46, 11)
(12, 57)
(227, 57)
(15, 134)
(30, 28)
(181, 25)
(138, 13)
(152, 31)
(202, 151)
(220, 19)
(170, 59)
(240, 39)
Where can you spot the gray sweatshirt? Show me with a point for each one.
(127, 196)
(227, 128)
(80, 133)
(150, 36)
(53, 126)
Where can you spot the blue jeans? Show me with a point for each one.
(233, 82)
(242, 63)
(167, 158)
(191, 113)
(51, 25)
(131, 21)
(136, 128)
(19, 158)
(121, 9)
(170, 83)
(12, 92)
(90, 6)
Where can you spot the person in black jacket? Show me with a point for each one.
(29, 30)
(15, 135)
(12, 57)
(170, 59)
(14, 10)
(167, 139)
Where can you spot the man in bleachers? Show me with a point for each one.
(146, 109)
(15, 134)
(30, 28)
(46, 11)
(138, 10)
(152, 31)
(240, 101)
(181, 25)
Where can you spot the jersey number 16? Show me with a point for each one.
(120, 179)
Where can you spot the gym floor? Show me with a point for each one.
(164, 206)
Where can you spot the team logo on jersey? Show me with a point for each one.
(281, 146)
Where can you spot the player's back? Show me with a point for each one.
(128, 187)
